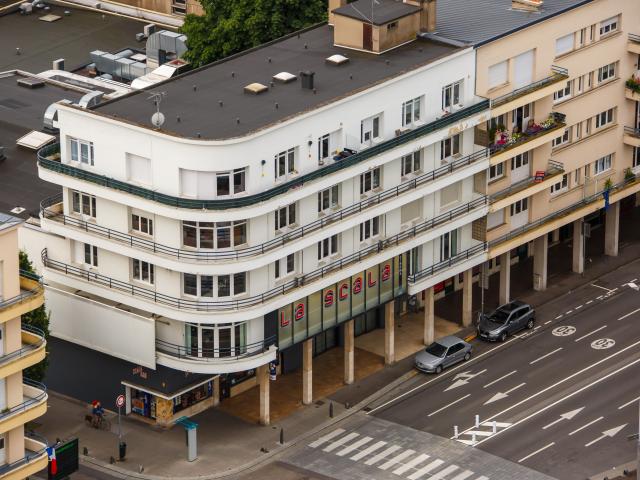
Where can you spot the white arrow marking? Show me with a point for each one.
(607, 433)
(462, 379)
(633, 285)
(500, 395)
(564, 416)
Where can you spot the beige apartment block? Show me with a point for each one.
(21, 346)
(564, 127)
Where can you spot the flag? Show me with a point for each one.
(605, 194)
(53, 464)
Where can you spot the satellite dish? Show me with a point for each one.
(157, 119)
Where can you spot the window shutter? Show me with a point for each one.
(139, 169)
(564, 44)
(498, 74)
(189, 183)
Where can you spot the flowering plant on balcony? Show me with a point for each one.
(548, 123)
(634, 83)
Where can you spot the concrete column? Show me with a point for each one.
(578, 247)
(612, 230)
(429, 317)
(307, 372)
(555, 235)
(467, 297)
(216, 391)
(389, 334)
(540, 250)
(263, 380)
(349, 352)
(505, 278)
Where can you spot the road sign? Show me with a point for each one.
(120, 401)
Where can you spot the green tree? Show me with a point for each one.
(38, 318)
(230, 26)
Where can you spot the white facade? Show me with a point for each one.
(114, 256)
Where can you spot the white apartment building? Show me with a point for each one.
(292, 192)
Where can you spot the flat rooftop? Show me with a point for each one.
(72, 37)
(479, 21)
(378, 12)
(195, 96)
(22, 110)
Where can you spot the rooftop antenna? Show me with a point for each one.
(157, 119)
(362, 14)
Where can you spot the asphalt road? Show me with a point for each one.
(579, 368)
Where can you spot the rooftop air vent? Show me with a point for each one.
(255, 88)
(337, 59)
(527, 5)
(284, 77)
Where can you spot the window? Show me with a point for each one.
(448, 245)
(582, 34)
(285, 163)
(369, 229)
(83, 203)
(607, 72)
(328, 247)
(450, 194)
(608, 26)
(561, 185)
(449, 147)
(142, 271)
(323, 147)
(495, 218)
(228, 288)
(604, 118)
(369, 180)
(141, 224)
(452, 95)
(392, 26)
(328, 198)
(81, 151)
(636, 156)
(496, 171)
(214, 235)
(576, 176)
(520, 161)
(564, 44)
(498, 74)
(90, 255)
(563, 93)
(410, 112)
(370, 129)
(231, 182)
(562, 139)
(602, 164)
(285, 216)
(285, 266)
(519, 206)
(197, 285)
(410, 163)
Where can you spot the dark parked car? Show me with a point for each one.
(506, 320)
(442, 353)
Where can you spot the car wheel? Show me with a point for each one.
(503, 336)
(530, 324)
(438, 369)
(467, 356)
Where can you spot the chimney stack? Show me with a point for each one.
(428, 15)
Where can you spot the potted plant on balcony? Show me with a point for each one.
(629, 175)
(548, 123)
(634, 84)
(608, 184)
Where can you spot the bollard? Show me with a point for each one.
(282, 436)
(495, 426)
(85, 451)
(473, 439)
(330, 409)
(455, 432)
(477, 421)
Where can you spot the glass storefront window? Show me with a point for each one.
(299, 320)
(329, 307)
(344, 300)
(357, 294)
(386, 281)
(285, 337)
(372, 286)
(315, 313)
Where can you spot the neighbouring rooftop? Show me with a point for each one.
(378, 12)
(211, 103)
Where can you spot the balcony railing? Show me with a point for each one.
(27, 348)
(512, 140)
(554, 168)
(222, 305)
(634, 132)
(215, 355)
(558, 74)
(560, 213)
(35, 449)
(249, 200)
(29, 401)
(634, 38)
(280, 241)
(437, 267)
(25, 294)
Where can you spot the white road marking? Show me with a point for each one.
(397, 459)
(327, 437)
(564, 416)
(559, 316)
(587, 425)
(607, 433)
(629, 314)
(603, 288)
(628, 403)
(536, 452)
(591, 333)
(568, 312)
(354, 446)
(603, 343)
(588, 302)
(633, 280)
(578, 307)
(376, 458)
(560, 382)
(369, 450)
(463, 475)
(433, 465)
(462, 379)
(409, 392)
(501, 395)
(564, 330)
(450, 404)
(545, 356)
(411, 463)
(338, 443)
(498, 379)
(599, 297)
(547, 322)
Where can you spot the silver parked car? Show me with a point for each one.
(443, 353)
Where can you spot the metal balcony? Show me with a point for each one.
(31, 296)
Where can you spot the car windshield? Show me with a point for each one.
(499, 316)
(436, 350)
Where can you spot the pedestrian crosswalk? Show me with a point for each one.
(402, 462)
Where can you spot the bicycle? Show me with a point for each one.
(101, 424)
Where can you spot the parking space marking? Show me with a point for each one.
(628, 403)
(587, 425)
(591, 333)
(545, 356)
(536, 452)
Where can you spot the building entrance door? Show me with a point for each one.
(520, 169)
(367, 36)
